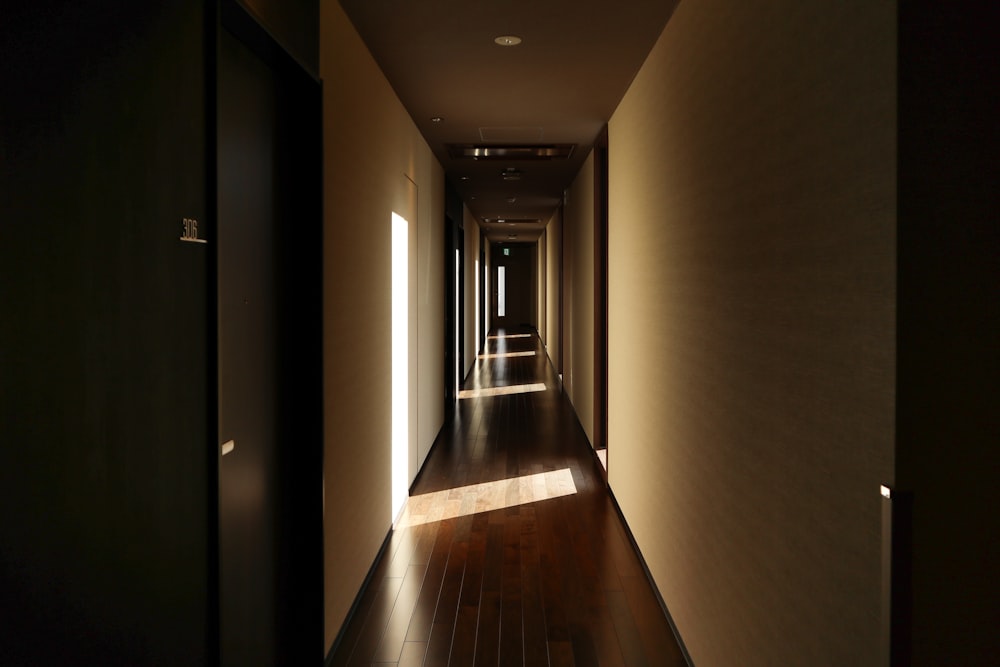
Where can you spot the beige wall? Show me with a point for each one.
(553, 301)
(427, 387)
(473, 273)
(578, 317)
(372, 154)
(752, 234)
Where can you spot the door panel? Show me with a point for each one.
(247, 355)
(269, 273)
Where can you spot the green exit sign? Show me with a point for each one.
(506, 252)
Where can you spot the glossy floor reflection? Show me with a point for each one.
(503, 576)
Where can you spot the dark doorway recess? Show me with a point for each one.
(454, 295)
(483, 301)
(269, 277)
(601, 291)
(454, 261)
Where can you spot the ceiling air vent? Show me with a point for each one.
(512, 221)
(510, 152)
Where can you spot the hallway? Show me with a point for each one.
(481, 570)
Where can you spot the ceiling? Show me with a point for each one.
(559, 86)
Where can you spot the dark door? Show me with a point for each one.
(247, 356)
(269, 352)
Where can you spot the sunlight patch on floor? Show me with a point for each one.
(476, 498)
(501, 355)
(509, 336)
(502, 391)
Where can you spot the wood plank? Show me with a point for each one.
(443, 628)
(413, 654)
(629, 640)
(463, 645)
(532, 605)
(353, 630)
(553, 597)
(488, 628)
(422, 618)
(391, 645)
(378, 617)
(511, 629)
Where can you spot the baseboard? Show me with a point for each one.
(649, 577)
(357, 600)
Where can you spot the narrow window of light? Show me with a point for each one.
(501, 291)
(400, 362)
(476, 299)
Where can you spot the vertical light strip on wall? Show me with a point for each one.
(476, 299)
(501, 291)
(458, 356)
(400, 362)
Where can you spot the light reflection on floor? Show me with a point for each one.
(502, 391)
(501, 355)
(476, 498)
(509, 336)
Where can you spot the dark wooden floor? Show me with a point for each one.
(554, 582)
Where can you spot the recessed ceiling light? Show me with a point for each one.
(511, 200)
(437, 119)
(463, 178)
(513, 221)
(508, 40)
